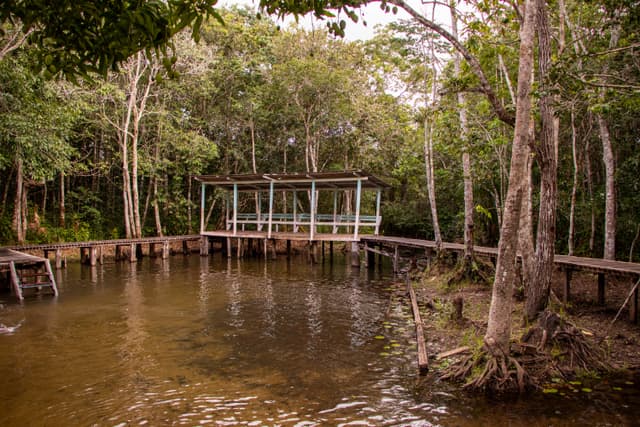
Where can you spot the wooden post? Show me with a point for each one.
(331, 251)
(601, 284)
(152, 250)
(119, 253)
(165, 249)
(132, 252)
(101, 254)
(322, 252)
(204, 245)
(355, 255)
(371, 257)
(274, 253)
(185, 248)
(288, 249)
(313, 249)
(83, 255)
(229, 247)
(567, 285)
(265, 248)
(395, 259)
(239, 248)
(93, 256)
(58, 259)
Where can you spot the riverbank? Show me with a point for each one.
(619, 340)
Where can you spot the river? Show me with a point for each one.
(210, 341)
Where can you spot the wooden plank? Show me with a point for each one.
(423, 359)
(52, 280)
(15, 280)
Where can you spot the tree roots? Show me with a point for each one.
(550, 349)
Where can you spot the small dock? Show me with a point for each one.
(27, 272)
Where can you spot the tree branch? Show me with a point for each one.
(473, 62)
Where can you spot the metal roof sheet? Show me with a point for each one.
(295, 181)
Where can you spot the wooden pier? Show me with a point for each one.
(390, 246)
(92, 252)
(27, 272)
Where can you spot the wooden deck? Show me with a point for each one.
(27, 272)
(300, 236)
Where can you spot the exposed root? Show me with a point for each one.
(552, 348)
(471, 270)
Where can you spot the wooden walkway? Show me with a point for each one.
(91, 251)
(390, 246)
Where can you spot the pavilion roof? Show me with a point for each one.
(295, 181)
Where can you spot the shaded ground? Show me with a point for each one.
(620, 340)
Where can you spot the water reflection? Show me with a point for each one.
(200, 340)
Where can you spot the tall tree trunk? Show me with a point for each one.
(610, 189)
(466, 159)
(156, 208)
(574, 186)
(17, 203)
(538, 292)
(498, 332)
(62, 208)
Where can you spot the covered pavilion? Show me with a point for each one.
(295, 206)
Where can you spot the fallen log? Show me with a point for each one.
(423, 359)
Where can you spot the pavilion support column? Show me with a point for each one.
(313, 208)
(235, 209)
(270, 209)
(202, 203)
(295, 211)
(356, 229)
(355, 255)
(378, 198)
(335, 212)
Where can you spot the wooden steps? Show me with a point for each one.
(29, 272)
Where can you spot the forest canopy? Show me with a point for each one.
(79, 156)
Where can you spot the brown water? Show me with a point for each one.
(197, 341)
